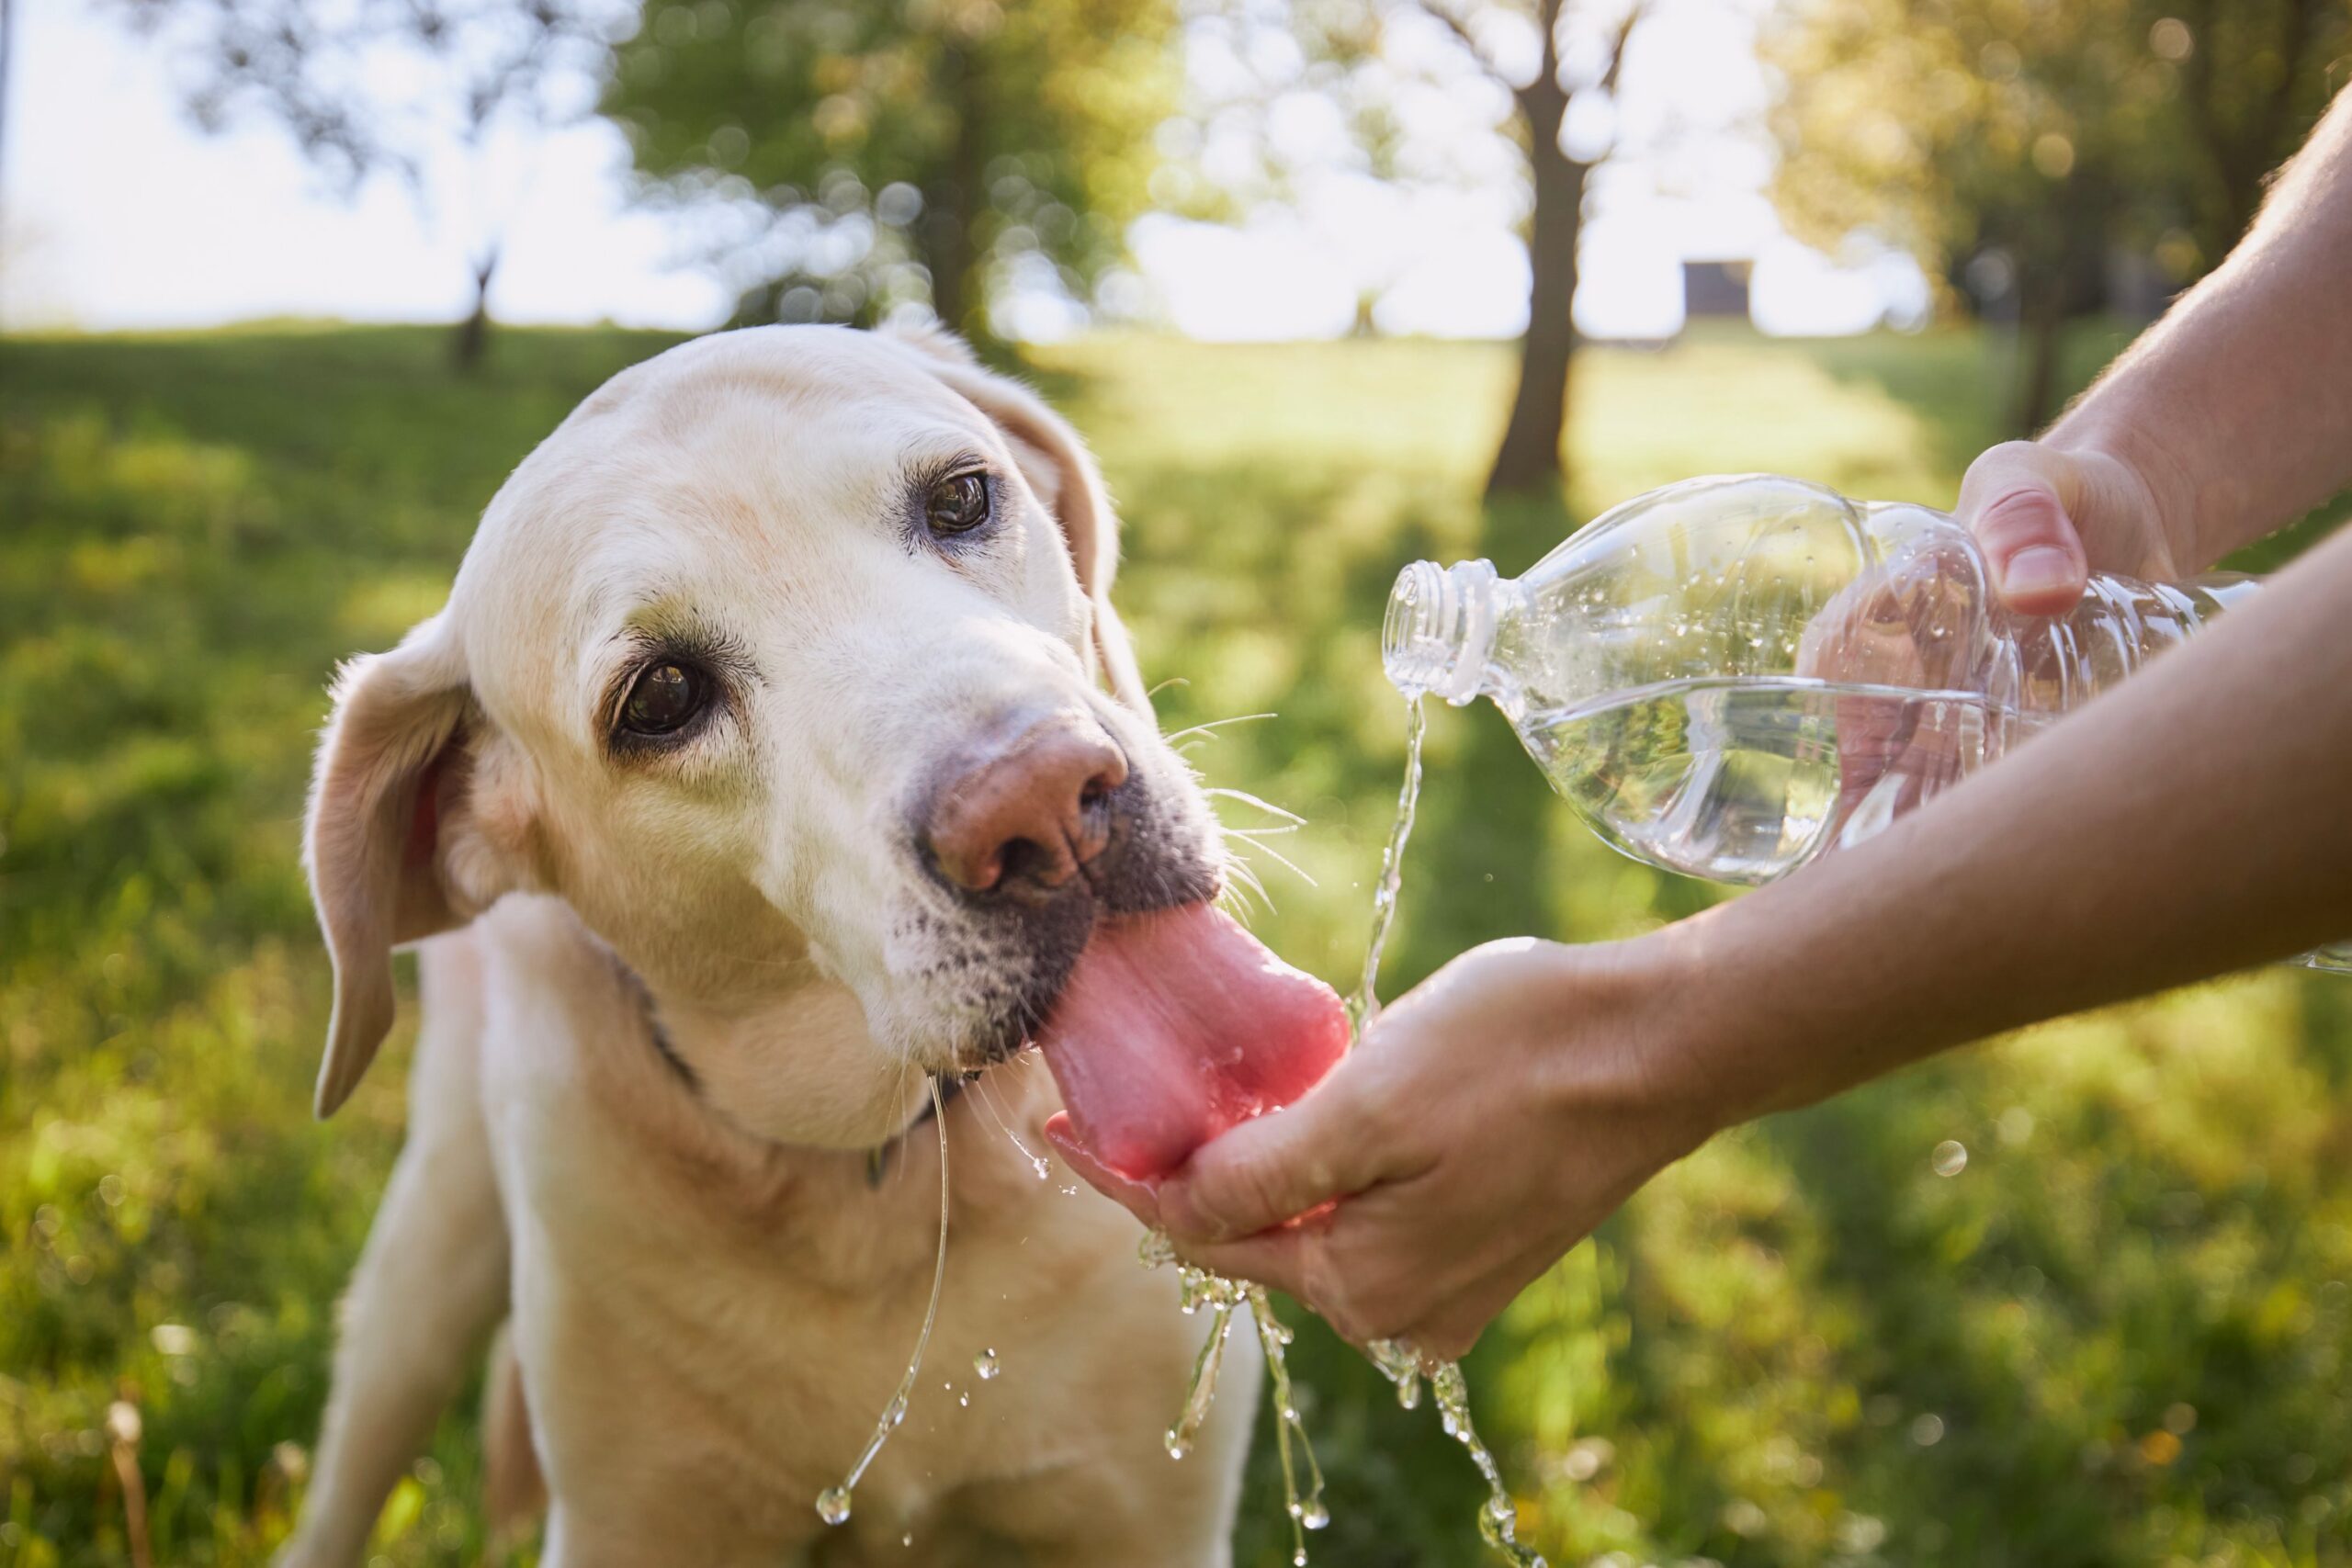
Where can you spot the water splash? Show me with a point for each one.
(833, 1502)
(1198, 1290)
(1308, 1511)
(987, 1365)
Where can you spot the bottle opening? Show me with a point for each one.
(1433, 641)
(1416, 640)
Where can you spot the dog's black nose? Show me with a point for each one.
(1023, 813)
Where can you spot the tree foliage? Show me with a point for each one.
(869, 154)
(369, 87)
(2051, 135)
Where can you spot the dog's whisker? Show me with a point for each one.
(1247, 884)
(1243, 795)
(1289, 865)
(1208, 726)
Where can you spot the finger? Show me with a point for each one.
(1345, 1264)
(1137, 1197)
(2013, 501)
(1277, 1166)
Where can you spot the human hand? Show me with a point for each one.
(1487, 1121)
(2047, 516)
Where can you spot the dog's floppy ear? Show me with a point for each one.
(389, 771)
(1060, 469)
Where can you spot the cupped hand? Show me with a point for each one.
(2048, 517)
(1487, 1121)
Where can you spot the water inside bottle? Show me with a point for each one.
(1743, 779)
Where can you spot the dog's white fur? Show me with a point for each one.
(708, 1300)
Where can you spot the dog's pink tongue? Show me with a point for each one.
(1174, 1026)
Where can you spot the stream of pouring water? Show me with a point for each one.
(1497, 1517)
(833, 1502)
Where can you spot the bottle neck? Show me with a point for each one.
(1439, 630)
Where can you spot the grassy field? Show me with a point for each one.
(2120, 1336)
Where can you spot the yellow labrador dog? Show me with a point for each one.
(777, 751)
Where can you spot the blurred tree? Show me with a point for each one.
(370, 87)
(1536, 79)
(861, 154)
(2256, 75)
(2036, 141)
(1578, 49)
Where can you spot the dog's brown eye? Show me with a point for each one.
(958, 504)
(664, 698)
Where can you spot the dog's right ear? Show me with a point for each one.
(390, 773)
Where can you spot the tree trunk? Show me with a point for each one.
(473, 332)
(2062, 275)
(1529, 459)
(952, 203)
(2041, 319)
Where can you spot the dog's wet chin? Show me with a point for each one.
(996, 997)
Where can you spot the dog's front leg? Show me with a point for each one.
(430, 1285)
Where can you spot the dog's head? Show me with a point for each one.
(788, 662)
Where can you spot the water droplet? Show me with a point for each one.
(1950, 1159)
(1176, 1447)
(1298, 1558)
(908, 1539)
(985, 1364)
(1037, 1163)
(1315, 1516)
(832, 1505)
(964, 1401)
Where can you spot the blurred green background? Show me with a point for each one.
(2118, 1335)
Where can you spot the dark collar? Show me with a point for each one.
(877, 1158)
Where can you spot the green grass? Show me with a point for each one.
(2125, 1326)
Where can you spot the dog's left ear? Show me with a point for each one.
(395, 843)
(1060, 469)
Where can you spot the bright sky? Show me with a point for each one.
(117, 213)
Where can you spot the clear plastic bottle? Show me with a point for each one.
(1730, 676)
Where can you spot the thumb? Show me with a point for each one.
(1255, 1176)
(2015, 500)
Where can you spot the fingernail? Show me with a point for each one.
(2038, 568)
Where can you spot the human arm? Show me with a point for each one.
(2193, 821)
(2226, 420)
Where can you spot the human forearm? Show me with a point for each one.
(2195, 820)
(2234, 409)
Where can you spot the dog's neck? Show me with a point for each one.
(799, 1070)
